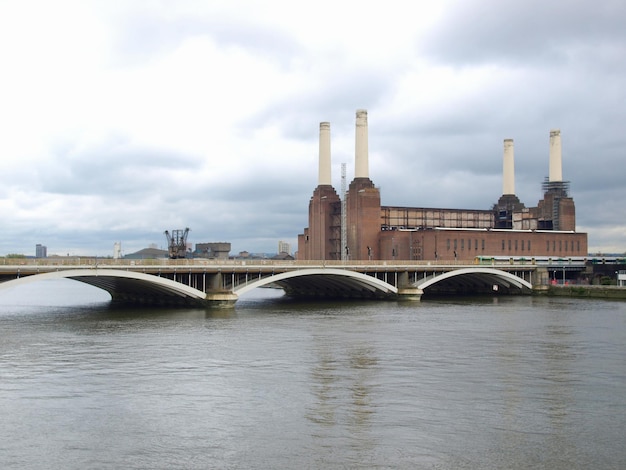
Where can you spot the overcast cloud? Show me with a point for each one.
(120, 120)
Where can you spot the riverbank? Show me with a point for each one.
(592, 291)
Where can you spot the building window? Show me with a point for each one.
(515, 245)
(509, 244)
(528, 245)
(455, 245)
(553, 245)
(483, 244)
(448, 244)
(522, 245)
(502, 245)
(560, 246)
(462, 243)
(548, 245)
(578, 245)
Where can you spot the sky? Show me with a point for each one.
(122, 119)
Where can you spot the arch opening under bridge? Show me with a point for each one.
(474, 280)
(142, 288)
(123, 286)
(324, 282)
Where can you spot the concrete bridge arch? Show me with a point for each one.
(124, 286)
(324, 282)
(474, 280)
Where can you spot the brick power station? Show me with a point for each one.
(357, 227)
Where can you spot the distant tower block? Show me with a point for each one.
(324, 155)
(508, 168)
(361, 146)
(556, 170)
(117, 250)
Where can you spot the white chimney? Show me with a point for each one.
(361, 165)
(556, 170)
(324, 177)
(508, 168)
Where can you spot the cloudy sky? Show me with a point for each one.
(122, 119)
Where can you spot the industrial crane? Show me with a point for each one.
(177, 243)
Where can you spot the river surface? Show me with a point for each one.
(481, 383)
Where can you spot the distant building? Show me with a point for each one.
(283, 256)
(216, 250)
(117, 250)
(284, 247)
(148, 253)
(41, 251)
(244, 255)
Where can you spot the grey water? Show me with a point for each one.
(490, 383)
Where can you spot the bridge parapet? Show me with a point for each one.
(222, 281)
(197, 262)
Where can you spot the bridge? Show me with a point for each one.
(193, 282)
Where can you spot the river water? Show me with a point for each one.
(509, 382)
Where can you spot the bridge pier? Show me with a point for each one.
(407, 291)
(542, 277)
(221, 299)
(216, 295)
(410, 293)
(541, 283)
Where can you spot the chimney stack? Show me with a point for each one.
(508, 168)
(361, 165)
(324, 177)
(556, 170)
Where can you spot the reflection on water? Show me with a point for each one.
(518, 382)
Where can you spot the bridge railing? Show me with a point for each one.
(95, 261)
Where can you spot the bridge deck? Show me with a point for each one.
(153, 281)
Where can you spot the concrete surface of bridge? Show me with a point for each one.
(213, 283)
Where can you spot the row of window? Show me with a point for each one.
(563, 245)
(462, 243)
(515, 245)
(510, 245)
